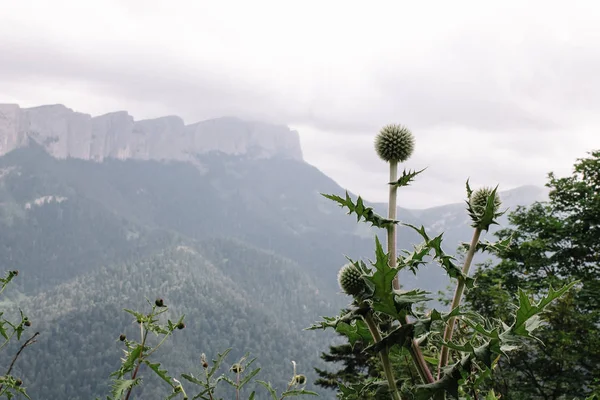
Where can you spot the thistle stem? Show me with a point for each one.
(383, 354)
(391, 231)
(420, 363)
(448, 332)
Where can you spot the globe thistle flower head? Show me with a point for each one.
(482, 214)
(480, 197)
(394, 143)
(350, 280)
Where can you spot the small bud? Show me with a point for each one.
(122, 337)
(394, 143)
(159, 303)
(180, 325)
(19, 382)
(300, 379)
(15, 272)
(27, 323)
(203, 361)
(350, 279)
(237, 368)
(478, 206)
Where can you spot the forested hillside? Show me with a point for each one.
(247, 249)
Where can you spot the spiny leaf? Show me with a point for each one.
(496, 248)
(448, 383)
(217, 363)
(247, 378)
(523, 326)
(121, 386)
(381, 281)
(269, 388)
(402, 336)
(361, 211)
(162, 373)
(355, 331)
(296, 392)
(446, 261)
(406, 178)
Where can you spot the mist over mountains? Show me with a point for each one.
(223, 219)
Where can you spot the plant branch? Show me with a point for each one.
(448, 332)
(28, 342)
(137, 368)
(383, 354)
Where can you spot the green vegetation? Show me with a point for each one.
(150, 280)
(553, 242)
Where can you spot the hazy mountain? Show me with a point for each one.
(66, 133)
(242, 243)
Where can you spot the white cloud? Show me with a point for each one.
(518, 78)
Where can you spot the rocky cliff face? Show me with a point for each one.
(66, 133)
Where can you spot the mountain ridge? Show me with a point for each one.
(65, 133)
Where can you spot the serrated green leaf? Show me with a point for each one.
(381, 281)
(356, 330)
(296, 392)
(361, 211)
(3, 330)
(524, 325)
(193, 379)
(269, 388)
(406, 178)
(121, 386)
(162, 373)
(247, 378)
(401, 336)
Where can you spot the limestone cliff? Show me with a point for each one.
(66, 133)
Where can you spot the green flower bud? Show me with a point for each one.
(122, 337)
(479, 198)
(180, 325)
(27, 323)
(18, 382)
(159, 303)
(350, 279)
(394, 143)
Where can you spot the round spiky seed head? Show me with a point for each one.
(350, 279)
(394, 143)
(479, 199)
(159, 303)
(122, 337)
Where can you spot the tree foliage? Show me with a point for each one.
(554, 242)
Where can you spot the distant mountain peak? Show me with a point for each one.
(64, 133)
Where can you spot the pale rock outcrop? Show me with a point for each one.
(66, 133)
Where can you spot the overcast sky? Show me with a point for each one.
(501, 92)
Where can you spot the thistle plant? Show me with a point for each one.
(137, 353)
(208, 380)
(10, 385)
(377, 299)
